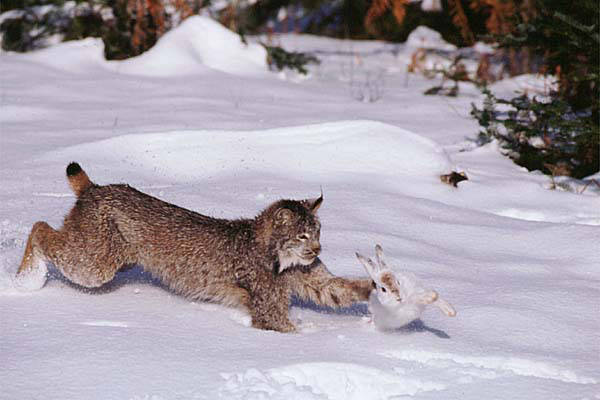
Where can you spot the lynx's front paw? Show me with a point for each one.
(287, 328)
(283, 327)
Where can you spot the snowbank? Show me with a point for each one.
(195, 45)
(532, 84)
(426, 38)
(319, 153)
(77, 56)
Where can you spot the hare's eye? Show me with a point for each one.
(383, 289)
(303, 237)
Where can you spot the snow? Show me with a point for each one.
(426, 38)
(431, 5)
(189, 49)
(288, 152)
(335, 381)
(483, 48)
(182, 51)
(81, 56)
(519, 262)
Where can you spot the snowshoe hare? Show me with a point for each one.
(398, 298)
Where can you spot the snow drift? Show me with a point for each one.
(77, 56)
(319, 153)
(426, 38)
(199, 43)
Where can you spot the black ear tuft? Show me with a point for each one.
(314, 204)
(73, 169)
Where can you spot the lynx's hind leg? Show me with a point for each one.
(33, 272)
(84, 261)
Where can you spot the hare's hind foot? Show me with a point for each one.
(445, 307)
(428, 297)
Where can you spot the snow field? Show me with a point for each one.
(335, 381)
(222, 137)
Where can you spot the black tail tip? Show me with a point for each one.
(73, 169)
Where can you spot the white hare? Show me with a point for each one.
(398, 298)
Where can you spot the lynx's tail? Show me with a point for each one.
(78, 179)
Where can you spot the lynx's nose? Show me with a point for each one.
(316, 248)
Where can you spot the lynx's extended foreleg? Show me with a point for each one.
(319, 285)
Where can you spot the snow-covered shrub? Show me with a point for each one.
(37, 24)
(560, 134)
(546, 135)
(278, 59)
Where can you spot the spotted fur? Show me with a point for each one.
(255, 263)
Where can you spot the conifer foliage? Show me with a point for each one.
(279, 58)
(560, 131)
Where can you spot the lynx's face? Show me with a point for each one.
(302, 247)
(299, 233)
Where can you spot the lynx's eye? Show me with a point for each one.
(383, 289)
(303, 237)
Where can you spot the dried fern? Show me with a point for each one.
(149, 17)
(184, 8)
(399, 10)
(380, 7)
(460, 20)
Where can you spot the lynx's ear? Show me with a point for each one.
(314, 204)
(284, 216)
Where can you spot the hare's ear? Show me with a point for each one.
(372, 269)
(379, 257)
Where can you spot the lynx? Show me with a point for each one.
(255, 264)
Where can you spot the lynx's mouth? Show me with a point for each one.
(308, 255)
(292, 258)
(305, 258)
(308, 260)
